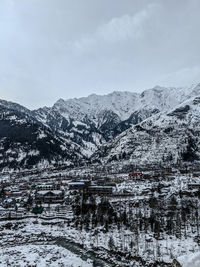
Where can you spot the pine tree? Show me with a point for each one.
(111, 244)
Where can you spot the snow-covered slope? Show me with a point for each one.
(84, 134)
(91, 121)
(25, 142)
(121, 103)
(167, 137)
(124, 104)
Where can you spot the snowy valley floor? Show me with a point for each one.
(40, 256)
(148, 222)
(32, 242)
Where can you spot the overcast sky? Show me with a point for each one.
(51, 49)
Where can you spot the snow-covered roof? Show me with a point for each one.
(76, 183)
(44, 192)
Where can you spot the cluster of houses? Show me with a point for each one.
(37, 191)
(34, 191)
(97, 187)
(56, 193)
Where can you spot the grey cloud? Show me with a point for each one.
(70, 48)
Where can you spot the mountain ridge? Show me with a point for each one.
(165, 138)
(83, 126)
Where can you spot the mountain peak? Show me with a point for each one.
(86, 123)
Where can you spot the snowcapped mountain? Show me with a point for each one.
(25, 142)
(122, 125)
(171, 136)
(84, 134)
(91, 121)
(123, 104)
(14, 106)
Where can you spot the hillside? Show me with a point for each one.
(165, 138)
(25, 142)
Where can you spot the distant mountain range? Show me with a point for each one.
(160, 124)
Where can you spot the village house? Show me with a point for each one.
(100, 190)
(48, 186)
(135, 175)
(49, 196)
(76, 185)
